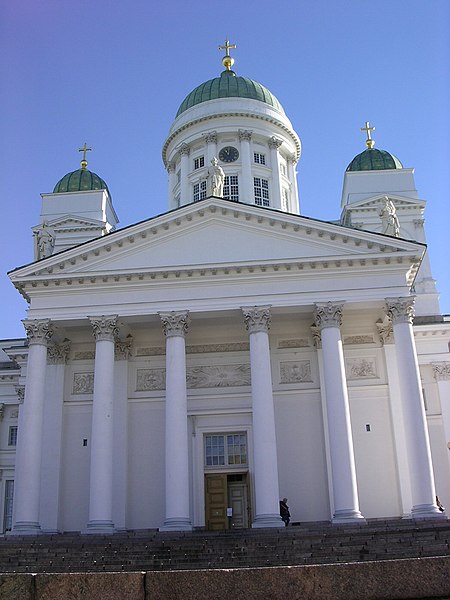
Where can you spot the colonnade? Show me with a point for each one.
(257, 320)
(246, 191)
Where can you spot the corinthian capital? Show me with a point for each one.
(211, 137)
(401, 310)
(328, 315)
(123, 348)
(57, 354)
(441, 371)
(184, 149)
(39, 331)
(245, 134)
(104, 328)
(171, 167)
(175, 323)
(257, 318)
(275, 142)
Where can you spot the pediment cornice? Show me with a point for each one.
(341, 248)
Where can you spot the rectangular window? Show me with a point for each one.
(178, 176)
(261, 188)
(199, 162)
(283, 169)
(226, 450)
(231, 188)
(199, 191)
(8, 506)
(260, 159)
(12, 436)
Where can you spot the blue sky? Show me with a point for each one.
(112, 74)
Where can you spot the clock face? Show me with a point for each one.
(228, 154)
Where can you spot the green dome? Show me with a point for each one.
(80, 180)
(373, 159)
(228, 85)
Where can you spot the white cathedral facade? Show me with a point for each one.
(192, 369)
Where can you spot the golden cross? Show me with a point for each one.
(369, 142)
(84, 149)
(227, 47)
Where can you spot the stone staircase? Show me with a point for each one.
(149, 550)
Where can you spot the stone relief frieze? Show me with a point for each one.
(150, 380)
(197, 349)
(87, 355)
(218, 376)
(361, 368)
(358, 339)
(298, 371)
(196, 377)
(294, 343)
(83, 383)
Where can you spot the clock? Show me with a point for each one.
(228, 154)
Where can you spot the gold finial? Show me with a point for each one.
(227, 60)
(369, 142)
(84, 149)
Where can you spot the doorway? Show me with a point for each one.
(226, 501)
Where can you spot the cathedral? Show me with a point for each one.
(192, 369)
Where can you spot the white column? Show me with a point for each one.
(172, 182)
(122, 353)
(401, 311)
(211, 144)
(246, 185)
(102, 441)
(30, 429)
(386, 333)
(267, 495)
(185, 197)
(175, 325)
(441, 372)
(328, 318)
(57, 355)
(274, 144)
(292, 175)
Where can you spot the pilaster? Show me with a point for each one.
(441, 371)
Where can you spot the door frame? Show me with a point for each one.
(221, 424)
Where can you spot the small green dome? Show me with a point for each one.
(373, 159)
(228, 85)
(80, 180)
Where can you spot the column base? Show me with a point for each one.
(426, 511)
(269, 520)
(100, 527)
(26, 528)
(176, 524)
(347, 516)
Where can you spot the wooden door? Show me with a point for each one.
(238, 501)
(216, 498)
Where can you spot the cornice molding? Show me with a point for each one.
(226, 115)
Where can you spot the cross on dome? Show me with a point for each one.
(227, 60)
(84, 149)
(369, 142)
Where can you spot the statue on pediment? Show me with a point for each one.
(389, 219)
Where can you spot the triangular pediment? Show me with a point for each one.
(217, 233)
(376, 201)
(70, 222)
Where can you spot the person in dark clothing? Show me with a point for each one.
(284, 511)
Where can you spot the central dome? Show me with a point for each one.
(228, 85)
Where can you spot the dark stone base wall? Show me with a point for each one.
(376, 580)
